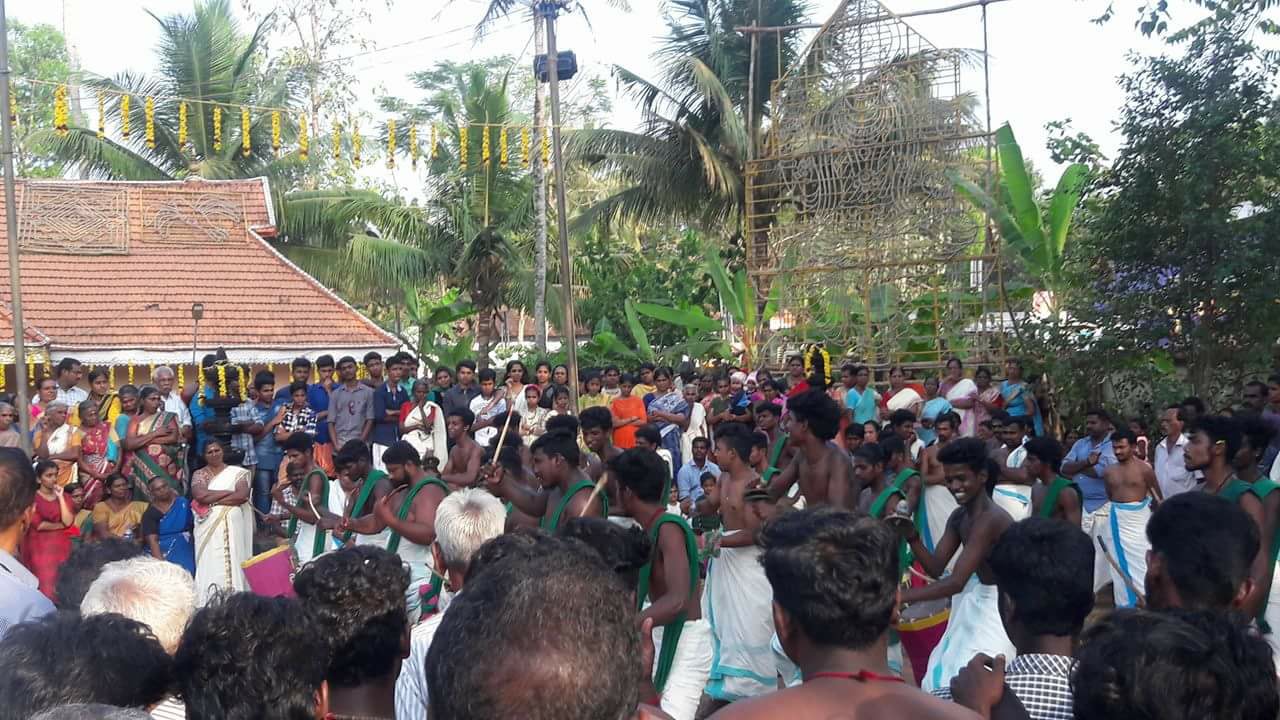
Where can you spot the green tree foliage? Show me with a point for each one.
(1181, 256)
(36, 52)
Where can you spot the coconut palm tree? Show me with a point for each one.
(204, 57)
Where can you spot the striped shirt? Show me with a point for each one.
(1041, 682)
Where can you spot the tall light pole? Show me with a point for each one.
(548, 9)
(11, 227)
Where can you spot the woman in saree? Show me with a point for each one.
(962, 393)
(155, 439)
(934, 407)
(514, 383)
(224, 524)
(46, 392)
(58, 440)
(533, 422)
(118, 515)
(862, 399)
(668, 412)
(167, 525)
(84, 516)
(901, 395)
(48, 540)
(98, 454)
(107, 402)
(989, 400)
(422, 424)
(1019, 400)
(128, 397)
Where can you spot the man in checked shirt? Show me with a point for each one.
(1044, 572)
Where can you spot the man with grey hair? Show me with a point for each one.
(9, 437)
(164, 380)
(157, 594)
(464, 521)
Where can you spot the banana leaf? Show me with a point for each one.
(643, 348)
(690, 319)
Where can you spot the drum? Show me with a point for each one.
(270, 574)
(920, 626)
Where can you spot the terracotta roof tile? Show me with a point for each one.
(119, 264)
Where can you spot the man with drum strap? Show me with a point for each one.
(364, 486)
(408, 512)
(320, 501)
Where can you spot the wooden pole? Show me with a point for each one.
(11, 228)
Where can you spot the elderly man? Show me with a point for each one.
(9, 436)
(164, 380)
(464, 521)
(157, 594)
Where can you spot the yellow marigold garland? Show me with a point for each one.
(357, 143)
(182, 125)
(222, 380)
(130, 373)
(2, 372)
(102, 114)
(503, 155)
(59, 109)
(124, 116)
(337, 141)
(303, 143)
(275, 132)
(391, 143)
(435, 142)
(217, 129)
(149, 111)
(31, 372)
(244, 390)
(182, 378)
(524, 146)
(246, 140)
(462, 147)
(111, 376)
(413, 146)
(484, 147)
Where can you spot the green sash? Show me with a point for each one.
(1234, 488)
(317, 545)
(672, 630)
(366, 490)
(564, 503)
(898, 487)
(394, 543)
(774, 455)
(1050, 502)
(1263, 487)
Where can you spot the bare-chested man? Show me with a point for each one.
(667, 595)
(408, 513)
(838, 633)
(820, 467)
(463, 467)
(977, 525)
(597, 435)
(779, 452)
(938, 502)
(1053, 496)
(566, 492)
(363, 487)
(1121, 525)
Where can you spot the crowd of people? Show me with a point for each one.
(399, 543)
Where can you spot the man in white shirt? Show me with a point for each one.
(1171, 470)
(20, 600)
(465, 520)
(69, 372)
(172, 398)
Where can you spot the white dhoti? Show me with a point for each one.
(975, 627)
(421, 566)
(737, 601)
(305, 542)
(789, 671)
(1271, 614)
(683, 690)
(938, 504)
(1014, 499)
(1101, 570)
(1123, 528)
(379, 540)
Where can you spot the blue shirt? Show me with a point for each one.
(267, 451)
(387, 399)
(200, 414)
(1094, 489)
(318, 401)
(689, 479)
(20, 600)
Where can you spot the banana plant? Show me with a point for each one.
(437, 340)
(1036, 235)
(738, 298)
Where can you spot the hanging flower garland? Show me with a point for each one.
(246, 140)
(182, 126)
(337, 141)
(303, 142)
(484, 147)
(111, 376)
(182, 378)
(503, 155)
(357, 143)
(814, 353)
(435, 142)
(244, 392)
(524, 146)
(217, 129)
(413, 146)
(102, 114)
(222, 380)
(124, 116)
(130, 373)
(13, 106)
(275, 133)
(462, 147)
(2, 370)
(546, 148)
(391, 143)
(149, 111)
(31, 372)
(59, 109)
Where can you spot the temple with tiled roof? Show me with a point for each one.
(111, 271)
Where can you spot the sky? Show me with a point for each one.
(1047, 60)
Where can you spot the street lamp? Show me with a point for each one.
(197, 312)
